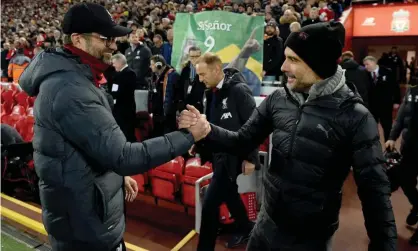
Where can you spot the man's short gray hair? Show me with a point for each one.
(370, 58)
(120, 57)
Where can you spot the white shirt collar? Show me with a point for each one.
(219, 86)
(376, 71)
(123, 68)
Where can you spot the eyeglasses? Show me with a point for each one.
(108, 40)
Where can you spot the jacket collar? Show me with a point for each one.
(97, 67)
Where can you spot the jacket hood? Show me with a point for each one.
(233, 77)
(349, 64)
(48, 63)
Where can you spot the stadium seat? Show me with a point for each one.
(17, 114)
(31, 101)
(14, 87)
(18, 109)
(25, 127)
(21, 98)
(250, 203)
(166, 179)
(29, 111)
(141, 180)
(5, 110)
(193, 171)
(7, 99)
(265, 146)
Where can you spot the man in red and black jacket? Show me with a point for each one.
(81, 155)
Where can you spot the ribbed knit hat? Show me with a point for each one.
(319, 45)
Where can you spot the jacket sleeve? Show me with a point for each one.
(246, 106)
(399, 125)
(89, 126)
(373, 184)
(249, 137)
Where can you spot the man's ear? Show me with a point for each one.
(75, 38)
(218, 68)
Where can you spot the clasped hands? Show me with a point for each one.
(194, 122)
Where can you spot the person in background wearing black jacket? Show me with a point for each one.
(229, 105)
(161, 96)
(410, 148)
(122, 90)
(273, 53)
(138, 56)
(356, 74)
(409, 163)
(320, 130)
(189, 89)
(384, 96)
(395, 63)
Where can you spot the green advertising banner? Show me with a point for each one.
(227, 34)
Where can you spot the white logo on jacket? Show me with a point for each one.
(322, 128)
(226, 115)
(224, 104)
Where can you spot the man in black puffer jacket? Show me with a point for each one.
(81, 154)
(320, 129)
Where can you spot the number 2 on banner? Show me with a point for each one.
(209, 43)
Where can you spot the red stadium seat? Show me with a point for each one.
(166, 179)
(21, 98)
(18, 109)
(7, 97)
(31, 101)
(5, 110)
(8, 101)
(142, 181)
(25, 127)
(163, 185)
(265, 146)
(193, 171)
(14, 87)
(250, 203)
(17, 114)
(29, 111)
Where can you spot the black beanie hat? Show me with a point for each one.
(319, 45)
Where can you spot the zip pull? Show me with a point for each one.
(297, 121)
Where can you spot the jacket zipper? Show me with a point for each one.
(292, 139)
(299, 116)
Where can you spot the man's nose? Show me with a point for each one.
(284, 67)
(113, 46)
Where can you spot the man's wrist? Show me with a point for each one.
(188, 135)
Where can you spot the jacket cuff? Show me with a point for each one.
(181, 142)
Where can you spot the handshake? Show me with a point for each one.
(195, 122)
